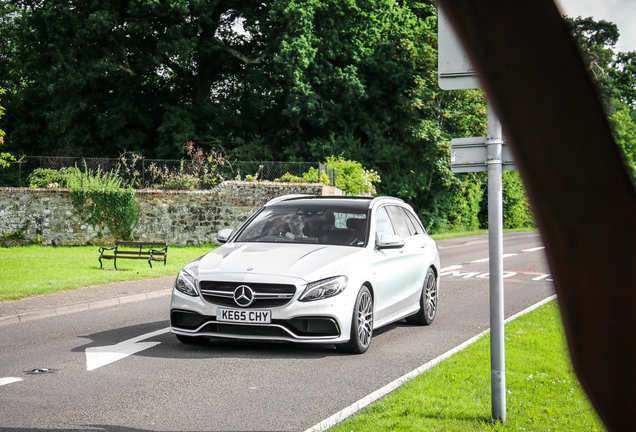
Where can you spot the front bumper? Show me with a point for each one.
(321, 321)
(314, 329)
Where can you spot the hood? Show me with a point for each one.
(303, 261)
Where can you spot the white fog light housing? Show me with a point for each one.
(186, 283)
(324, 288)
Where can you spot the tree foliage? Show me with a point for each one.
(293, 80)
(615, 79)
(5, 158)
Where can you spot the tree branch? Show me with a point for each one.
(244, 58)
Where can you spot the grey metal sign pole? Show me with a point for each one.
(482, 154)
(494, 144)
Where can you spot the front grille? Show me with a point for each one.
(265, 295)
(298, 327)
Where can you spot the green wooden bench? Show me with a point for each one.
(150, 251)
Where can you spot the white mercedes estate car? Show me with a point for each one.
(311, 269)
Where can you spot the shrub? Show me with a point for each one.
(200, 172)
(516, 208)
(289, 178)
(352, 177)
(315, 176)
(101, 201)
(43, 177)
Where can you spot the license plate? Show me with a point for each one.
(244, 316)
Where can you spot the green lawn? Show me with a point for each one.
(543, 392)
(36, 269)
(452, 235)
(31, 270)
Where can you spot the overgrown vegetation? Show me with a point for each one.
(50, 178)
(101, 201)
(201, 171)
(351, 176)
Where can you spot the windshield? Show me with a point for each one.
(331, 225)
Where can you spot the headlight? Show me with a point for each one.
(324, 288)
(186, 283)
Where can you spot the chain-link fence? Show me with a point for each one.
(144, 173)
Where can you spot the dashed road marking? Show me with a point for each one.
(533, 249)
(488, 259)
(454, 272)
(9, 380)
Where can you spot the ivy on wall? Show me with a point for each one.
(101, 201)
(113, 209)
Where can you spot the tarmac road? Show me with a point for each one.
(100, 358)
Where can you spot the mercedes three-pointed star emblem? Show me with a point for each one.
(243, 296)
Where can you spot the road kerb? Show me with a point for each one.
(81, 307)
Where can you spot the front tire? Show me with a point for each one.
(428, 301)
(361, 324)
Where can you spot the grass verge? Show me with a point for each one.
(452, 235)
(36, 269)
(543, 392)
(32, 270)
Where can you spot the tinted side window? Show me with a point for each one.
(399, 219)
(419, 229)
(384, 225)
(409, 222)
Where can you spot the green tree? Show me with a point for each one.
(615, 77)
(5, 158)
(623, 74)
(377, 101)
(138, 75)
(303, 80)
(596, 40)
(623, 125)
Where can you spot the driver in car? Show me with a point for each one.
(296, 224)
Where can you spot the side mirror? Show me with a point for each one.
(224, 235)
(390, 241)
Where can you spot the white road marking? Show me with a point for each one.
(97, 357)
(488, 259)
(506, 275)
(449, 268)
(368, 400)
(455, 273)
(9, 380)
(533, 249)
(543, 276)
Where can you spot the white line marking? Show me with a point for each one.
(543, 276)
(449, 268)
(488, 259)
(368, 400)
(97, 357)
(533, 249)
(9, 380)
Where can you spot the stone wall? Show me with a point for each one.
(178, 217)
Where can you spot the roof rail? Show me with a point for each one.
(286, 197)
(388, 198)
